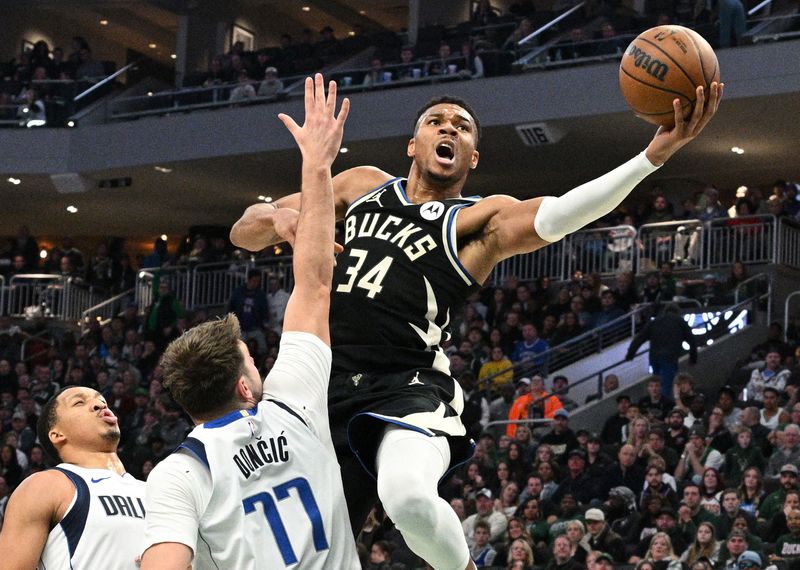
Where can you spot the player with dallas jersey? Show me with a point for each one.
(86, 512)
(256, 484)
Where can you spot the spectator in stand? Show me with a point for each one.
(726, 401)
(527, 351)
(328, 48)
(561, 389)
(655, 405)
(26, 246)
(483, 14)
(163, 316)
(660, 211)
(625, 472)
(771, 375)
(611, 43)
(249, 303)
(614, 425)
(771, 415)
(102, 269)
(277, 299)
(570, 327)
(692, 512)
(705, 546)
(609, 311)
(787, 453)
(88, 67)
(625, 290)
(376, 75)
(666, 334)
(271, 86)
(522, 31)
(473, 64)
(772, 505)
(610, 384)
(217, 75)
(787, 547)
(484, 507)
(600, 537)
(560, 438)
(481, 552)
(536, 404)
(498, 370)
(575, 47)
(160, 256)
(697, 456)
(444, 64)
(741, 456)
(708, 206)
(576, 481)
(501, 406)
(244, 90)
(563, 555)
(407, 65)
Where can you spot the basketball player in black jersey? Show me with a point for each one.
(414, 248)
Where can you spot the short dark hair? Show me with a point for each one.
(47, 419)
(456, 101)
(202, 366)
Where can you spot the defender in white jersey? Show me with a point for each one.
(256, 484)
(85, 513)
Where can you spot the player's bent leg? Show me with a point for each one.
(409, 466)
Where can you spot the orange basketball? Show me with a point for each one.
(662, 64)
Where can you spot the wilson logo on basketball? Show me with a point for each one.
(651, 65)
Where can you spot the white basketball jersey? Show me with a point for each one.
(102, 524)
(277, 498)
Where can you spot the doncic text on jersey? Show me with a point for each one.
(264, 451)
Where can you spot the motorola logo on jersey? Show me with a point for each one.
(117, 505)
(431, 210)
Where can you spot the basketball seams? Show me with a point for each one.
(659, 88)
(706, 83)
(675, 61)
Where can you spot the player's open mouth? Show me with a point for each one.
(108, 417)
(445, 152)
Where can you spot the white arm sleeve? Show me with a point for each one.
(300, 379)
(178, 491)
(560, 216)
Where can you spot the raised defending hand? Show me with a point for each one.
(668, 141)
(321, 134)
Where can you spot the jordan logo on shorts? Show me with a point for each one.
(415, 380)
(356, 379)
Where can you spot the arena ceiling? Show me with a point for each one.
(216, 191)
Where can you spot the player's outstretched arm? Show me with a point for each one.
(263, 225)
(38, 502)
(319, 139)
(511, 227)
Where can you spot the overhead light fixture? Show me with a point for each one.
(162, 169)
(266, 199)
(43, 254)
(344, 150)
(72, 209)
(262, 197)
(362, 12)
(306, 8)
(163, 237)
(104, 22)
(149, 93)
(70, 124)
(14, 181)
(173, 56)
(35, 123)
(737, 150)
(152, 45)
(351, 33)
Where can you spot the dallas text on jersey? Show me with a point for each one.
(264, 451)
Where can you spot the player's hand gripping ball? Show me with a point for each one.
(662, 64)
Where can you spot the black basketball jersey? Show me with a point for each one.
(397, 283)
